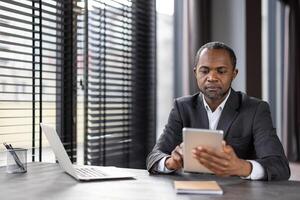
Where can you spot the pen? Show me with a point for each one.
(15, 156)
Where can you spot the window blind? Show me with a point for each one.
(108, 48)
(31, 73)
(111, 73)
(108, 79)
(144, 95)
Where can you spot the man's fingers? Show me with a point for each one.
(227, 148)
(178, 150)
(223, 143)
(181, 145)
(177, 156)
(222, 163)
(213, 160)
(214, 167)
(172, 164)
(210, 152)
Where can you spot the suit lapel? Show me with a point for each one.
(202, 119)
(229, 113)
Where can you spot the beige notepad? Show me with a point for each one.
(198, 187)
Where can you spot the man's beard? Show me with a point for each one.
(214, 95)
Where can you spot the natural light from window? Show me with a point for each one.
(165, 63)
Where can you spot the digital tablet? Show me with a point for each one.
(192, 138)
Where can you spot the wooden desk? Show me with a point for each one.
(48, 181)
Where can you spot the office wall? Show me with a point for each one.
(228, 26)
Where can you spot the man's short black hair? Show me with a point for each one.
(216, 45)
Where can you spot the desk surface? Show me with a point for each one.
(48, 181)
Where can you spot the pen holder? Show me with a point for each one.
(16, 160)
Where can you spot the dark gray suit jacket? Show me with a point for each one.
(247, 126)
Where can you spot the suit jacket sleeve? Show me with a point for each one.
(170, 138)
(269, 151)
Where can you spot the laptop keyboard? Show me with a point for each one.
(89, 172)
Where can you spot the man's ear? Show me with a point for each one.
(195, 72)
(235, 72)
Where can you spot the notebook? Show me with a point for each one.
(193, 137)
(197, 187)
(81, 173)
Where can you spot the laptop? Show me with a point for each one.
(81, 173)
(193, 137)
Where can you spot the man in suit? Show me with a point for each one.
(251, 148)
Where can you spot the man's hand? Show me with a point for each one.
(175, 162)
(222, 163)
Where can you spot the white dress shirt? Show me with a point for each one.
(213, 119)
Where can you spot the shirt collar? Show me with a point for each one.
(220, 107)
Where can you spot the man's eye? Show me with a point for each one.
(221, 71)
(204, 71)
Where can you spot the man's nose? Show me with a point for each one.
(212, 76)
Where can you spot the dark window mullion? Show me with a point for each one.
(33, 86)
(40, 39)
